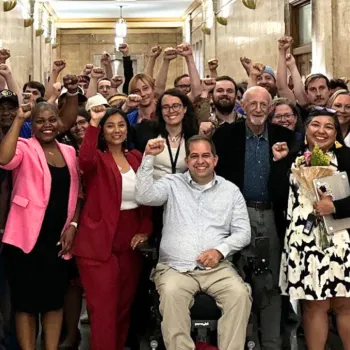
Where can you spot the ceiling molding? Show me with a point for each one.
(110, 24)
(128, 20)
(63, 31)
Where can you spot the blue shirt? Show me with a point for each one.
(133, 116)
(257, 166)
(196, 218)
(26, 130)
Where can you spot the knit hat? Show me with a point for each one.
(269, 70)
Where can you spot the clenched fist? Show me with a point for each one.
(116, 81)
(97, 113)
(208, 84)
(213, 65)
(246, 63)
(285, 43)
(131, 102)
(155, 51)
(106, 59)
(5, 70)
(124, 49)
(257, 69)
(97, 73)
(70, 82)
(155, 147)
(87, 69)
(184, 50)
(24, 111)
(58, 66)
(169, 53)
(4, 55)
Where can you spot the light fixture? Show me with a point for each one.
(28, 13)
(38, 20)
(9, 5)
(48, 39)
(250, 4)
(121, 26)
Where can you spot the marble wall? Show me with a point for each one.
(30, 56)
(79, 47)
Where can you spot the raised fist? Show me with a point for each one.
(285, 43)
(4, 55)
(170, 53)
(70, 82)
(257, 69)
(184, 50)
(155, 51)
(132, 101)
(24, 111)
(116, 81)
(124, 49)
(213, 65)
(97, 73)
(87, 69)
(155, 147)
(58, 66)
(106, 59)
(246, 63)
(280, 150)
(98, 112)
(290, 60)
(208, 84)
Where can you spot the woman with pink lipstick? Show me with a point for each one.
(41, 224)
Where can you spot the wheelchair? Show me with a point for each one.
(204, 313)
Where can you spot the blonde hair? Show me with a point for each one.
(145, 78)
(335, 96)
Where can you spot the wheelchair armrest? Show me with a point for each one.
(147, 250)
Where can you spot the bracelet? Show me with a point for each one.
(75, 224)
(73, 94)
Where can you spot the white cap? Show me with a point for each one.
(97, 100)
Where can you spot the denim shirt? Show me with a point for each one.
(257, 166)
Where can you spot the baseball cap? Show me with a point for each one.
(97, 100)
(9, 96)
(270, 71)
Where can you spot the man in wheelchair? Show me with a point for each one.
(205, 221)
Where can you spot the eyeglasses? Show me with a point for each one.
(319, 108)
(183, 86)
(287, 116)
(175, 107)
(81, 122)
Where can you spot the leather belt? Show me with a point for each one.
(259, 205)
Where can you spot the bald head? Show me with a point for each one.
(257, 104)
(257, 91)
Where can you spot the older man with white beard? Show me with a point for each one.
(250, 155)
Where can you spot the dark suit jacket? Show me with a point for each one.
(230, 142)
(103, 184)
(342, 206)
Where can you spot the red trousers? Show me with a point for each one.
(110, 287)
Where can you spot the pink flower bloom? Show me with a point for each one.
(307, 157)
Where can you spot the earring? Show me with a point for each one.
(126, 146)
(305, 141)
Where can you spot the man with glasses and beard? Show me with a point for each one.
(224, 99)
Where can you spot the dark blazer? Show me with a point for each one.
(230, 142)
(103, 184)
(342, 207)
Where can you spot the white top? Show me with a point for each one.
(162, 163)
(128, 190)
(347, 140)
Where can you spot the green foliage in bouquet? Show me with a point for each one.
(319, 158)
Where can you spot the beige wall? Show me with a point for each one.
(79, 46)
(30, 56)
(251, 33)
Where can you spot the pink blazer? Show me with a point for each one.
(31, 192)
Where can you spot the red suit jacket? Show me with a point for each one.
(103, 188)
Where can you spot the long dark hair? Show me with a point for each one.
(102, 145)
(189, 124)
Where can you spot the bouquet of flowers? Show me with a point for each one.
(308, 167)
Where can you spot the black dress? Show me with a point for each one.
(38, 280)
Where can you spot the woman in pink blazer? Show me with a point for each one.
(41, 224)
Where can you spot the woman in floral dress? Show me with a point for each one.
(313, 272)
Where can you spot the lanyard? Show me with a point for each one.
(172, 160)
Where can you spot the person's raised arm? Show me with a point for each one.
(162, 76)
(127, 65)
(284, 45)
(186, 51)
(247, 64)
(106, 63)
(69, 111)
(89, 147)
(9, 143)
(4, 55)
(256, 71)
(148, 191)
(6, 73)
(87, 69)
(96, 74)
(152, 58)
(57, 68)
(213, 66)
(56, 92)
(116, 82)
(299, 88)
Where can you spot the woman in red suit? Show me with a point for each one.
(112, 225)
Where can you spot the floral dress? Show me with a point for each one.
(309, 271)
